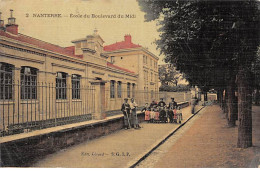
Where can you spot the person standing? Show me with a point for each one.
(134, 119)
(126, 111)
(162, 116)
(161, 103)
(193, 104)
(153, 104)
(179, 114)
(146, 112)
(172, 105)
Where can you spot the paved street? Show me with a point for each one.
(120, 149)
(207, 143)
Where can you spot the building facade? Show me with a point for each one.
(43, 83)
(141, 61)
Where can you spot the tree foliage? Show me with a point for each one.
(214, 43)
(207, 40)
(168, 75)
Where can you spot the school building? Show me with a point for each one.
(44, 85)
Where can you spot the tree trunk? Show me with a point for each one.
(231, 103)
(218, 97)
(225, 104)
(257, 98)
(205, 96)
(221, 100)
(244, 107)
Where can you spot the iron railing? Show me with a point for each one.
(22, 112)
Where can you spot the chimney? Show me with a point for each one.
(11, 27)
(2, 26)
(128, 38)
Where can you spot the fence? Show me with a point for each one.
(114, 100)
(113, 104)
(178, 96)
(27, 106)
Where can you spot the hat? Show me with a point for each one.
(172, 98)
(125, 98)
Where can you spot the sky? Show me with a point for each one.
(61, 31)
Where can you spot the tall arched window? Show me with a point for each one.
(128, 90)
(133, 90)
(28, 83)
(112, 89)
(61, 85)
(119, 89)
(75, 81)
(6, 80)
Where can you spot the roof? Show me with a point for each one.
(117, 67)
(69, 51)
(126, 44)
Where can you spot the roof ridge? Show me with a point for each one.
(121, 68)
(40, 40)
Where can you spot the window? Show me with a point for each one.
(151, 62)
(145, 76)
(112, 59)
(75, 81)
(146, 93)
(151, 77)
(143, 59)
(133, 90)
(28, 83)
(128, 90)
(119, 89)
(112, 89)
(61, 85)
(6, 79)
(152, 94)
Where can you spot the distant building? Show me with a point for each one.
(140, 60)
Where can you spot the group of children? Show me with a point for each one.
(155, 113)
(161, 113)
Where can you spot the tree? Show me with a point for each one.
(168, 75)
(209, 38)
(256, 71)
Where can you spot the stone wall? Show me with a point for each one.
(23, 152)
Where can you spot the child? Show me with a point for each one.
(156, 112)
(179, 114)
(145, 108)
(175, 116)
(146, 111)
(152, 115)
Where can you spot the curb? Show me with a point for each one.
(146, 154)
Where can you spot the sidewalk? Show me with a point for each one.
(120, 149)
(209, 143)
